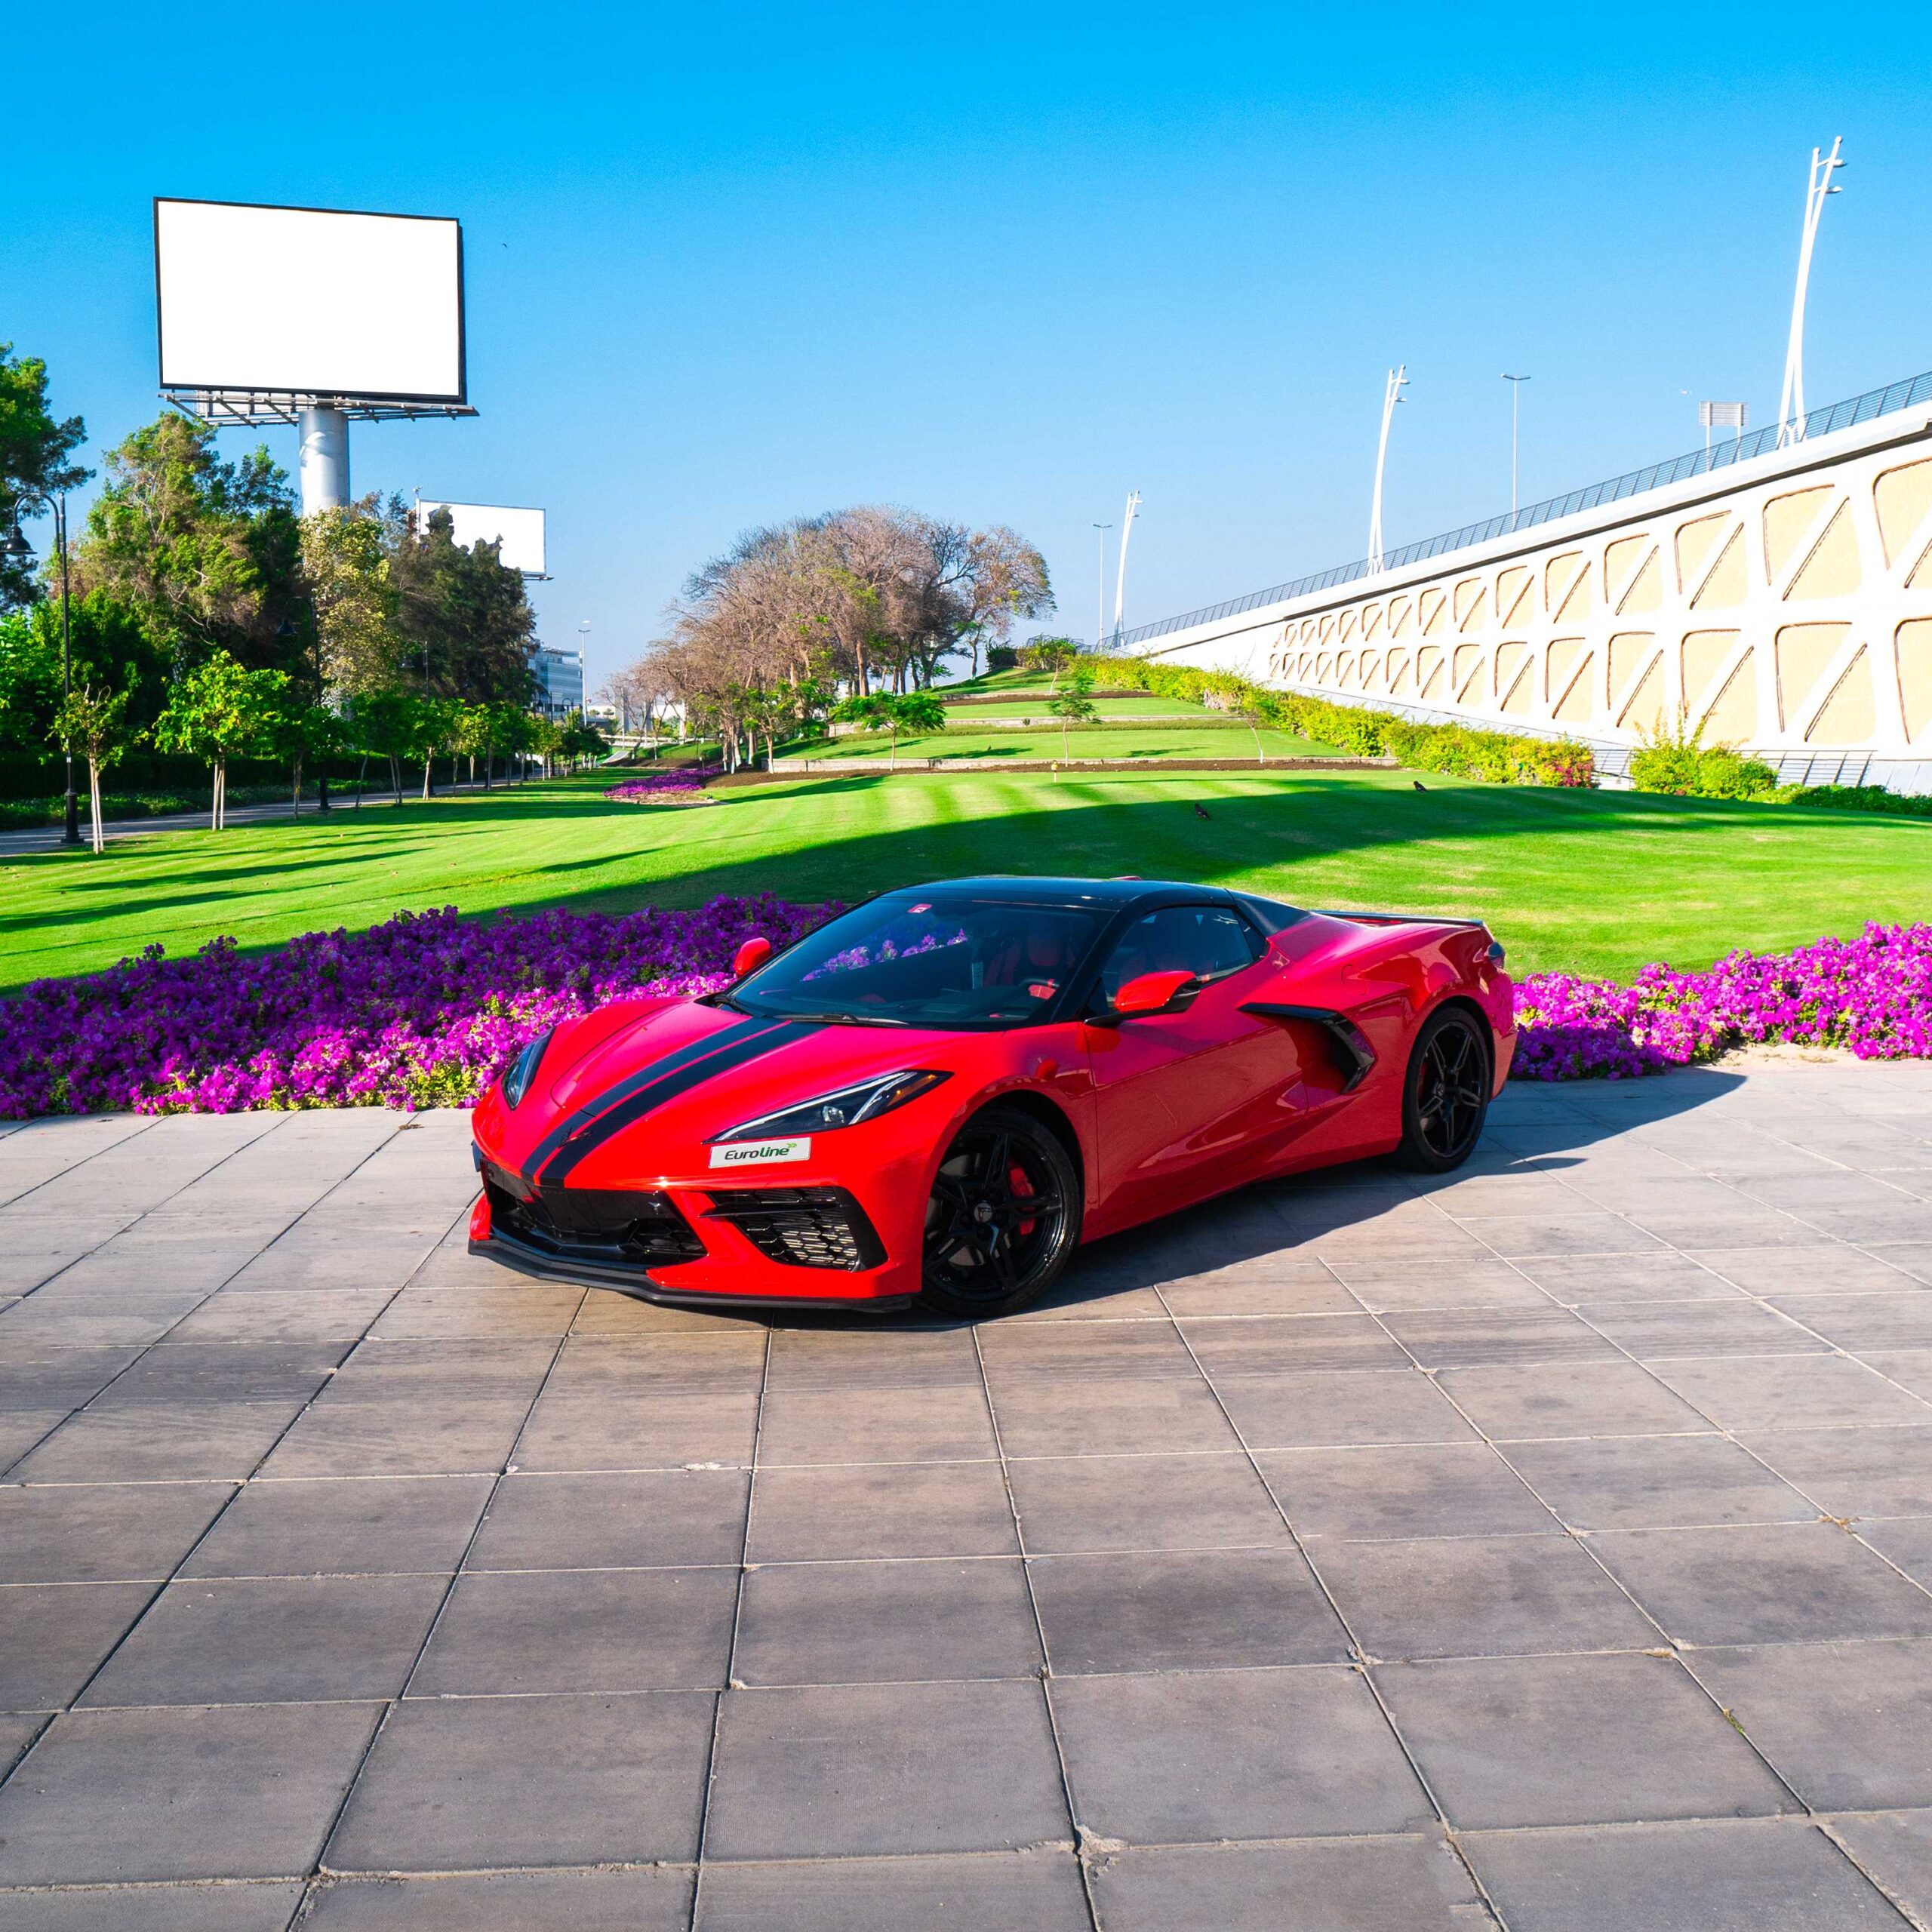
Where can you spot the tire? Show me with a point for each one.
(985, 1255)
(1445, 1092)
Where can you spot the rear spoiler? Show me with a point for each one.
(1403, 919)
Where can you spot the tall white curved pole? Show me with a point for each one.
(1791, 402)
(1398, 380)
(1132, 511)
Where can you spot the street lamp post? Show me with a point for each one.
(17, 547)
(1391, 394)
(1516, 426)
(1791, 402)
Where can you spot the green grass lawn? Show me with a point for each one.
(1602, 880)
(1155, 741)
(1033, 704)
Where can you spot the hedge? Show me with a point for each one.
(1457, 751)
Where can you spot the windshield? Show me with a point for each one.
(942, 959)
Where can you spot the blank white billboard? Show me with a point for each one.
(520, 531)
(314, 301)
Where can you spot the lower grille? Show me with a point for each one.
(802, 1227)
(611, 1226)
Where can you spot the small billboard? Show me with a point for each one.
(520, 531)
(309, 302)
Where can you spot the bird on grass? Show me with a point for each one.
(1200, 811)
(1418, 784)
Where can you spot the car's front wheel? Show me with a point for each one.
(1445, 1094)
(1003, 1216)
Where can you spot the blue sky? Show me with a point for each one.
(1004, 263)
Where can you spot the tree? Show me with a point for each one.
(209, 552)
(1051, 653)
(917, 713)
(219, 711)
(466, 626)
(346, 562)
(35, 449)
(300, 731)
(1074, 706)
(395, 725)
(94, 723)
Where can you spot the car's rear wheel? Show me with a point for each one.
(1003, 1218)
(1445, 1094)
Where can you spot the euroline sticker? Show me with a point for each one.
(760, 1153)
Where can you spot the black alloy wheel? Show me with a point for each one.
(1003, 1218)
(1445, 1095)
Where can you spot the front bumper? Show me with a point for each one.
(803, 1245)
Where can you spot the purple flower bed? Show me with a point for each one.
(428, 1009)
(424, 1010)
(1872, 995)
(656, 787)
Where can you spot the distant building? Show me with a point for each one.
(559, 681)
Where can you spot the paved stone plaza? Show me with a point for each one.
(1548, 1547)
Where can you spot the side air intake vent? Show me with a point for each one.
(802, 1227)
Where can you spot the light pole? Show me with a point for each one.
(1120, 581)
(1398, 380)
(1100, 591)
(1515, 427)
(582, 642)
(17, 548)
(1791, 402)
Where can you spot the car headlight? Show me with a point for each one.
(846, 1108)
(523, 1069)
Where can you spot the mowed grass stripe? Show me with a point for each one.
(1597, 881)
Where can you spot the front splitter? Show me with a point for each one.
(526, 1260)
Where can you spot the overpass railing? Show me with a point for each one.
(1678, 469)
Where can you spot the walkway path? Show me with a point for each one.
(1549, 1548)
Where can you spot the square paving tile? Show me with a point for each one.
(866, 1356)
(277, 1640)
(1862, 1324)
(454, 1783)
(726, 1359)
(1826, 1268)
(1736, 1875)
(1040, 1891)
(511, 1632)
(886, 1623)
(1202, 1757)
(1064, 1351)
(614, 1521)
(243, 1791)
(881, 1509)
(1895, 1848)
(351, 1525)
(638, 1431)
(1656, 1332)
(1572, 1740)
(1853, 1471)
(151, 1442)
(257, 1907)
(1784, 1584)
(641, 1899)
(1594, 1281)
(1791, 1392)
(1459, 1489)
(1479, 1596)
(1904, 1540)
(1338, 1408)
(918, 1425)
(102, 1533)
(1413, 1882)
(1453, 1338)
(1644, 1482)
(54, 1636)
(1243, 1289)
(1526, 1401)
(1111, 1418)
(1097, 1503)
(1188, 1610)
(800, 1773)
(399, 1436)
(1845, 1725)
(1271, 1345)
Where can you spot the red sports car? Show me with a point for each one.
(935, 1098)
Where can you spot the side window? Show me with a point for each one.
(1201, 940)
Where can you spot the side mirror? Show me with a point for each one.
(1149, 993)
(750, 957)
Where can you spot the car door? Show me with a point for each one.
(1190, 1101)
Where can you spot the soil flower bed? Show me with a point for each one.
(683, 787)
(427, 1009)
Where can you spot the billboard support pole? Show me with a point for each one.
(324, 466)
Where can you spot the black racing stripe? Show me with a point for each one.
(745, 1045)
(580, 1117)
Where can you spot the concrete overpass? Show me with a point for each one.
(1782, 597)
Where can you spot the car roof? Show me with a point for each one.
(1028, 889)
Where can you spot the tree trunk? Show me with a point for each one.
(322, 788)
(214, 796)
(361, 778)
(296, 810)
(94, 800)
(429, 759)
(395, 776)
